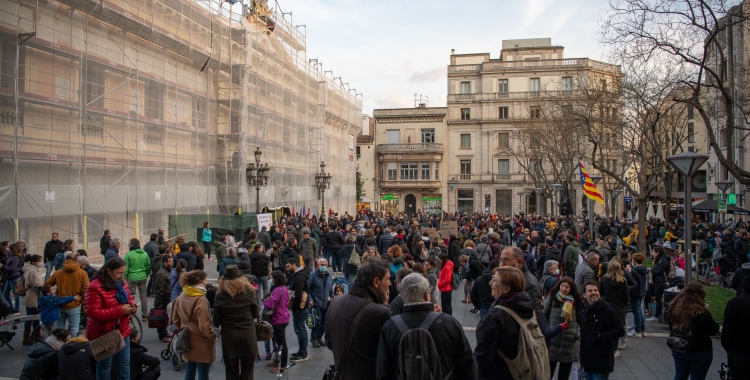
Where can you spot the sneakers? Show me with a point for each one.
(14, 312)
(474, 310)
(650, 319)
(315, 343)
(300, 358)
(165, 340)
(617, 354)
(622, 346)
(211, 259)
(144, 318)
(638, 335)
(322, 343)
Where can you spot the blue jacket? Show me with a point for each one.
(111, 252)
(174, 283)
(225, 262)
(49, 307)
(321, 288)
(207, 235)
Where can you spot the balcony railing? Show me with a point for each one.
(418, 147)
(516, 95)
(534, 65)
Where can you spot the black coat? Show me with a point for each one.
(601, 327)
(53, 247)
(475, 268)
(361, 360)
(288, 252)
(298, 284)
(481, 292)
(139, 358)
(103, 244)
(334, 241)
(235, 317)
(41, 363)
(497, 330)
(617, 294)
(660, 272)
(735, 336)
(75, 361)
(161, 289)
(265, 238)
(259, 264)
(450, 341)
(396, 306)
(189, 257)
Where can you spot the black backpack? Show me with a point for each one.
(419, 359)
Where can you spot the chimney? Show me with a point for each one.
(453, 51)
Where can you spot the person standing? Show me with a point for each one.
(640, 274)
(688, 313)
(563, 304)
(160, 239)
(152, 250)
(138, 268)
(444, 282)
(298, 277)
(221, 249)
(192, 311)
(108, 305)
(104, 242)
(206, 239)
(586, 270)
(614, 289)
(71, 280)
(235, 309)
(334, 242)
(32, 276)
(601, 328)
(570, 257)
(321, 292)
(659, 277)
(259, 262)
(50, 251)
(279, 303)
(308, 248)
(12, 269)
(265, 238)
(735, 335)
(162, 291)
(481, 292)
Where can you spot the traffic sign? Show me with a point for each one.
(732, 199)
(628, 199)
(722, 206)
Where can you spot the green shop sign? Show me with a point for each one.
(432, 199)
(388, 197)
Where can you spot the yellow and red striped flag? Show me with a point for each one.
(588, 185)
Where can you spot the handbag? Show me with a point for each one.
(312, 318)
(354, 259)
(266, 314)
(108, 344)
(158, 319)
(680, 341)
(332, 373)
(181, 341)
(263, 331)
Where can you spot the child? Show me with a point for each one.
(338, 290)
(49, 306)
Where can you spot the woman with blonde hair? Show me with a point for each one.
(614, 290)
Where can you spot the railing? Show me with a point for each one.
(463, 68)
(513, 95)
(550, 63)
(464, 177)
(424, 147)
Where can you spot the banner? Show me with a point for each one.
(265, 220)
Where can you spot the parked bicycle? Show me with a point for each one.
(9, 326)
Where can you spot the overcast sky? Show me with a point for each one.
(389, 50)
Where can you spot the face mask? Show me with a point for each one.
(557, 271)
(323, 269)
(40, 265)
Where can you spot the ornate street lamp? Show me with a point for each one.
(688, 163)
(257, 176)
(527, 193)
(520, 202)
(538, 190)
(555, 189)
(322, 182)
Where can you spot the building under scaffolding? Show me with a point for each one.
(118, 113)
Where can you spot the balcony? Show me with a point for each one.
(518, 95)
(409, 184)
(411, 148)
(567, 64)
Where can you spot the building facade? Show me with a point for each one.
(367, 163)
(489, 101)
(410, 146)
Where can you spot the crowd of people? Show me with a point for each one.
(552, 297)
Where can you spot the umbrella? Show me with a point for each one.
(712, 206)
(635, 217)
(649, 211)
(659, 212)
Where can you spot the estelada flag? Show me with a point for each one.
(589, 188)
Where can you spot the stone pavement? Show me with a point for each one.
(645, 358)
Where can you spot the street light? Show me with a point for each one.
(257, 176)
(723, 186)
(595, 179)
(520, 202)
(537, 190)
(527, 193)
(555, 189)
(688, 163)
(616, 193)
(322, 182)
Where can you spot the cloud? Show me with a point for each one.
(430, 75)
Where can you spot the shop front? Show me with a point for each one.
(389, 204)
(432, 205)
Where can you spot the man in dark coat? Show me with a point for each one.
(265, 238)
(369, 294)
(453, 348)
(481, 292)
(735, 336)
(75, 360)
(50, 252)
(290, 251)
(162, 291)
(104, 243)
(454, 252)
(321, 291)
(601, 328)
(142, 365)
(297, 277)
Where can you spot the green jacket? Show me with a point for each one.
(220, 252)
(138, 265)
(570, 259)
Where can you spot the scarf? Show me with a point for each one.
(508, 297)
(567, 306)
(53, 342)
(194, 291)
(120, 294)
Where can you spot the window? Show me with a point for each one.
(466, 141)
(437, 171)
(536, 112)
(722, 138)
(534, 85)
(567, 84)
(466, 87)
(428, 135)
(393, 137)
(358, 152)
(503, 166)
(465, 113)
(465, 169)
(691, 112)
(535, 167)
(408, 171)
(691, 132)
(502, 85)
(95, 79)
(465, 201)
(604, 84)
(392, 168)
(425, 171)
(502, 113)
(503, 140)
(154, 98)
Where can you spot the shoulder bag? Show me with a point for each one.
(181, 341)
(266, 314)
(332, 373)
(354, 259)
(108, 344)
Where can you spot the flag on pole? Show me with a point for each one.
(589, 188)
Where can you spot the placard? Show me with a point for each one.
(448, 227)
(431, 232)
(265, 220)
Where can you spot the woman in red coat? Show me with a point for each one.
(444, 282)
(108, 304)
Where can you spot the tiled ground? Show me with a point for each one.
(646, 358)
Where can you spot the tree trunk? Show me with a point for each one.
(642, 224)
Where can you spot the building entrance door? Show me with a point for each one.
(411, 204)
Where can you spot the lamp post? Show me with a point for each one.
(520, 202)
(257, 176)
(723, 186)
(322, 182)
(688, 163)
(616, 193)
(555, 189)
(537, 190)
(595, 179)
(527, 193)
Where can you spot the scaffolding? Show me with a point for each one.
(115, 114)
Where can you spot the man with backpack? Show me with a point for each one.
(421, 343)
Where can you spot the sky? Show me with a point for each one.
(389, 50)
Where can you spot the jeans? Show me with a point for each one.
(299, 319)
(207, 248)
(10, 286)
(659, 288)
(595, 376)
(50, 265)
(467, 287)
(328, 254)
(350, 279)
(191, 368)
(73, 317)
(279, 334)
(120, 360)
(141, 286)
(564, 372)
(639, 320)
(337, 264)
(319, 330)
(481, 313)
(445, 302)
(239, 368)
(28, 324)
(692, 365)
(262, 288)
